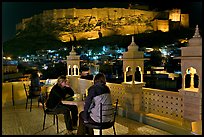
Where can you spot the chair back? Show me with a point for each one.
(101, 113)
(42, 100)
(26, 89)
(116, 110)
(105, 125)
(114, 114)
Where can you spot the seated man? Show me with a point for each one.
(54, 103)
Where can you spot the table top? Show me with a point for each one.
(74, 102)
(79, 104)
(47, 85)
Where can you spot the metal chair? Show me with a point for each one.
(102, 126)
(29, 96)
(49, 112)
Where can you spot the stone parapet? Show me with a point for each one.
(191, 51)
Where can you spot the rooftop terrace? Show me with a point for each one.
(16, 120)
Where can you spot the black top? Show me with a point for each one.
(57, 94)
(35, 84)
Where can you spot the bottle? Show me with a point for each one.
(84, 97)
(49, 82)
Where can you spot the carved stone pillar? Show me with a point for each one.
(134, 96)
(192, 102)
(125, 80)
(133, 76)
(192, 81)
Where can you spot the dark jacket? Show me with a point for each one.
(57, 94)
(35, 84)
(98, 93)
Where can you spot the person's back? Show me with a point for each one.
(99, 93)
(102, 95)
(35, 88)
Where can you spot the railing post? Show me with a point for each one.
(12, 92)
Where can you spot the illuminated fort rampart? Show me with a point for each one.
(87, 23)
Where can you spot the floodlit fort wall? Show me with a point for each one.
(121, 16)
(98, 13)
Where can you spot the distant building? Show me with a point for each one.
(9, 66)
(10, 69)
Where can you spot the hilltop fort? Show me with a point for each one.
(74, 24)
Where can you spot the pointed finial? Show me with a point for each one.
(132, 38)
(72, 48)
(196, 32)
(72, 51)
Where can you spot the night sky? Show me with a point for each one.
(14, 12)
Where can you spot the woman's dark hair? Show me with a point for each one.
(100, 78)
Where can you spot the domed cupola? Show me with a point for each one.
(132, 46)
(133, 51)
(133, 59)
(72, 51)
(194, 47)
(73, 63)
(196, 40)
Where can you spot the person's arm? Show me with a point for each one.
(54, 97)
(88, 101)
(69, 91)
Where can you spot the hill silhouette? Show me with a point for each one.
(37, 37)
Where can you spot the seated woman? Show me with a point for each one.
(35, 88)
(54, 103)
(97, 94)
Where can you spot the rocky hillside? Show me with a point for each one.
(53, 34)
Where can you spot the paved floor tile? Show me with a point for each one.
(19, 121)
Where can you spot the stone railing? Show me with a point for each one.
(160, 102)
(81, 86)
(118, 92)
(14, 93)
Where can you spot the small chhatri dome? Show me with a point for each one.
(72, 52)
(132, 46)
(196, 40)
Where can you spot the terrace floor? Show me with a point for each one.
(16, 120)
